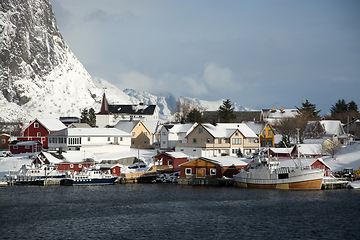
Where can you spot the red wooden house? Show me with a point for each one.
(170, 160)
(115, 169)
(319, 163)
(17, 147)
(39, 128)
(4, 141)
(207, 171)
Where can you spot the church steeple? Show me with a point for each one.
(104, 107)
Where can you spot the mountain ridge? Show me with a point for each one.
(41, 77)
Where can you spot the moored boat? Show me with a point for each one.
(265, 172)
(89, 176)
(34, 174)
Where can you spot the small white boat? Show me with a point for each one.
(34, 174)
(265, 172)
(89, 176)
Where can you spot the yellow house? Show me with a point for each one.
(267, 136)
(140, 135)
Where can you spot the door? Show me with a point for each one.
(200, 173)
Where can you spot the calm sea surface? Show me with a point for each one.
(169, 211)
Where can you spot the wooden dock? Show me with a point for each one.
(334, 183)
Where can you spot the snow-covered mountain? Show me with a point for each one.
(41, 77)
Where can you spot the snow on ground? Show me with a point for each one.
(13, 163)
(347, 157)
(17, 160)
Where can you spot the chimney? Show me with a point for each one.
(282, 109)
(273, 108)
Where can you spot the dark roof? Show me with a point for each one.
(168, 126)
(240, 115)
(104, 107)
(132, 109)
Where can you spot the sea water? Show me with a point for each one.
(169, 211)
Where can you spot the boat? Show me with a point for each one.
(266, 172)
(35, 174)
(89, 176)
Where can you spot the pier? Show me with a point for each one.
(334, 183)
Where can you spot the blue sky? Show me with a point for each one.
(258, 54)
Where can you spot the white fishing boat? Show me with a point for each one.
(266, 172)
(34, 174)
(89, 176)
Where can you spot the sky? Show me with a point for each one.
(258, 54)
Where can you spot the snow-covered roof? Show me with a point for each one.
(226, 161)
(91, 132)
(126, 126)
(151, 126)
(177, 154)
(180, 128)
(51, 124)
(225, 130)
(330, 126)
(26, 143)
(311, 149)
(281, 150)
(257, 127)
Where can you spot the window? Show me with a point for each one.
(200, 130)
(251, 140)
(182, 150)
(170, 163)
(121, 138)
(2, 140)
(164, 133)
(133, 134)
(187, 171)
(133, 142)
(219, 140)
(236, 134)
(264, 133)
(145, 133)
(212, 171)
(269, 133)
(80, 165)
(89, 139)
(108, 139)
(164, 142)
(38, 134)
(194, 140)
(236, 141)
(15, 147)
(27, 147)
(145, 142)
(71, 165)
(36, 125)
(208, 140)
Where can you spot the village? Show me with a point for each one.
(128, 144)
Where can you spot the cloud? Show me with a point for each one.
(135, 80)
(217, 77)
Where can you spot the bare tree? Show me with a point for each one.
(182, 110)
(334, 150)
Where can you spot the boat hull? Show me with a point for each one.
(93, 181)
(303, 185)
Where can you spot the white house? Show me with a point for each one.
(170, 134)
(77, 138)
